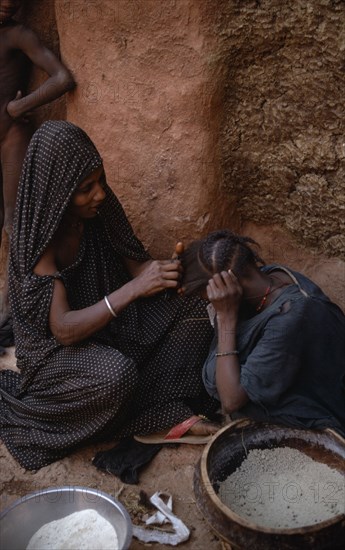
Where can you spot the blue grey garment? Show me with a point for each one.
(292, 359)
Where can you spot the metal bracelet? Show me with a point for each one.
(224, 353)
(108, 304)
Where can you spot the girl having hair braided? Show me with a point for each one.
(278, 348)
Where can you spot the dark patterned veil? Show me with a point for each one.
(59, 157)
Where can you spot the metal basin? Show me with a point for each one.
(26, 515)
(225, 453)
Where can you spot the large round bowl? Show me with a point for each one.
(26, 515)
(225, 453)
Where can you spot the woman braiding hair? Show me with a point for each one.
(278, 348)
(102, 353)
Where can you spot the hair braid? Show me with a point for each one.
(224, 249)
(219, 251)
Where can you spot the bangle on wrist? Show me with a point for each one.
(109, 306)
(225, 353)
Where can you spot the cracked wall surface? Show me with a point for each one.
(283, 140)
(226, 113)
(214, 113)
(147, 96)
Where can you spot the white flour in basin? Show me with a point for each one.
(85, 530)
(283, 488)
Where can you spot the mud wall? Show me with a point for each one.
(213, 113)
(226, 113)
(283, 138)
(147, 94)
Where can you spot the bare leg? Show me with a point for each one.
(2, 214)
(2, 267)
(13, 149)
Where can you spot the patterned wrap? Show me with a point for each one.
(141, 373)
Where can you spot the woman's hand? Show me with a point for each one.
(158, 275)
(225, 293)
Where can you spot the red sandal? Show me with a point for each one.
(177, 434)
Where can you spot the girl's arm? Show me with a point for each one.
(224, 292)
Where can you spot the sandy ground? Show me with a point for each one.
(170, 471)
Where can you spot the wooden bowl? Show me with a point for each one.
(226, 451)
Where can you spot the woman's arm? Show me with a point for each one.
(224, 292)
(72, 326)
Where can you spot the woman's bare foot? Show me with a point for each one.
(204, 427)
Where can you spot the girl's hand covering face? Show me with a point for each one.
(224, 292)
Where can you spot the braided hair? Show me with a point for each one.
(219, 251)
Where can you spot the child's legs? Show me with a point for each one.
(3, 257)
(1, 203)
(13, 149)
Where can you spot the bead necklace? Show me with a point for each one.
(264, 298)
(268, 291)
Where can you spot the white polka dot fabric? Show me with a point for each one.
(140, 374)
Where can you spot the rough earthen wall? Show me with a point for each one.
(143, 96)
(213, 113)
(283, 138)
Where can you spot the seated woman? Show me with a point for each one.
(102, 352)
(278, 350)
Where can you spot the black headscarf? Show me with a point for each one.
(59, 157)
